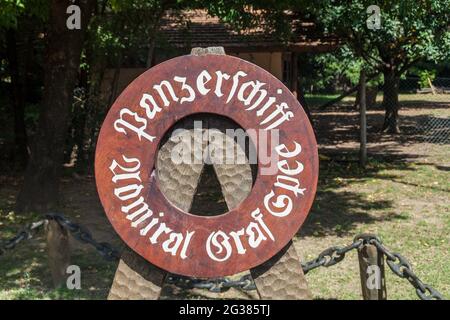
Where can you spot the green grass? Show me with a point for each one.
(319, 99)
(24, 272)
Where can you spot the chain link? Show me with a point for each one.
(83, 235)
(398, 264)
(329, 257)
(214, 285)
(401, 267)
(25, 234)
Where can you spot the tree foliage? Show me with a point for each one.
(410, 30)
(11, 10)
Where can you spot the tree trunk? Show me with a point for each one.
(40, 191)
(20, 152)
(390, 101)
(151, 51)
(297, 87)
(94, 105)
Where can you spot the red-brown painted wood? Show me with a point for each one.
(112, 145)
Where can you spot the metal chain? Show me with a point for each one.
(214, 285)
(327, 258)
(83, 235)
(396, 262)
(400, 266)
(25, 234)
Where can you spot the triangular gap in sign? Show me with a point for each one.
(208, 199)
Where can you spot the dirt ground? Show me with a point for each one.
(403, 196)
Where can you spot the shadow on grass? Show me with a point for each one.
(337, 211)
(25, 274)
(337, 126)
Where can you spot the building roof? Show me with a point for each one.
(197, 28)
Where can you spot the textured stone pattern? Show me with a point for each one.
(178, 181)
(282, 278)
(136, 279)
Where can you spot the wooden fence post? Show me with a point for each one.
(58, 249)
(371, 269)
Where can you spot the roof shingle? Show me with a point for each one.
(199, 29)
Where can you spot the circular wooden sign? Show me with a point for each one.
(187, 244)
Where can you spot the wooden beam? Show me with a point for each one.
(282, 277)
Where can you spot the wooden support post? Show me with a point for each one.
(363, 121)
(433, 90)
(58, 248)
(282, 277)
(136, 279)
(371, 268)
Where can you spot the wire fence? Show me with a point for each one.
(422, 116)
(434, 130)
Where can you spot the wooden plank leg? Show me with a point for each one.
(281, 277)
(136, 279)
(235, 178)
(178, 181)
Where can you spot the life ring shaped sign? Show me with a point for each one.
(187, 244)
